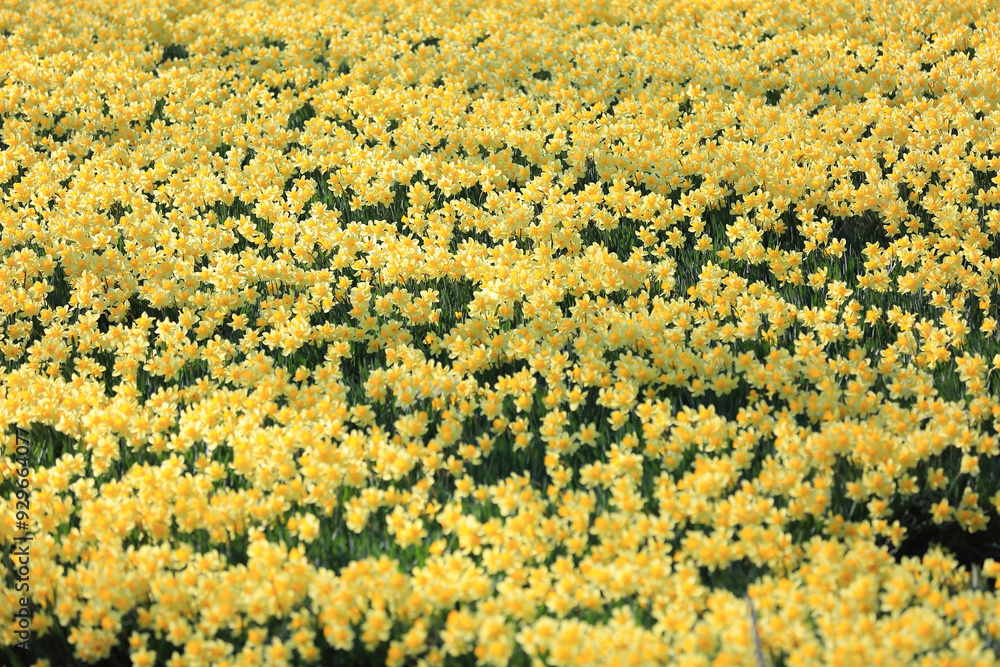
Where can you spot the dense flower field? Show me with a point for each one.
(527, 332)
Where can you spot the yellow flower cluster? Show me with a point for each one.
(541, 333)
